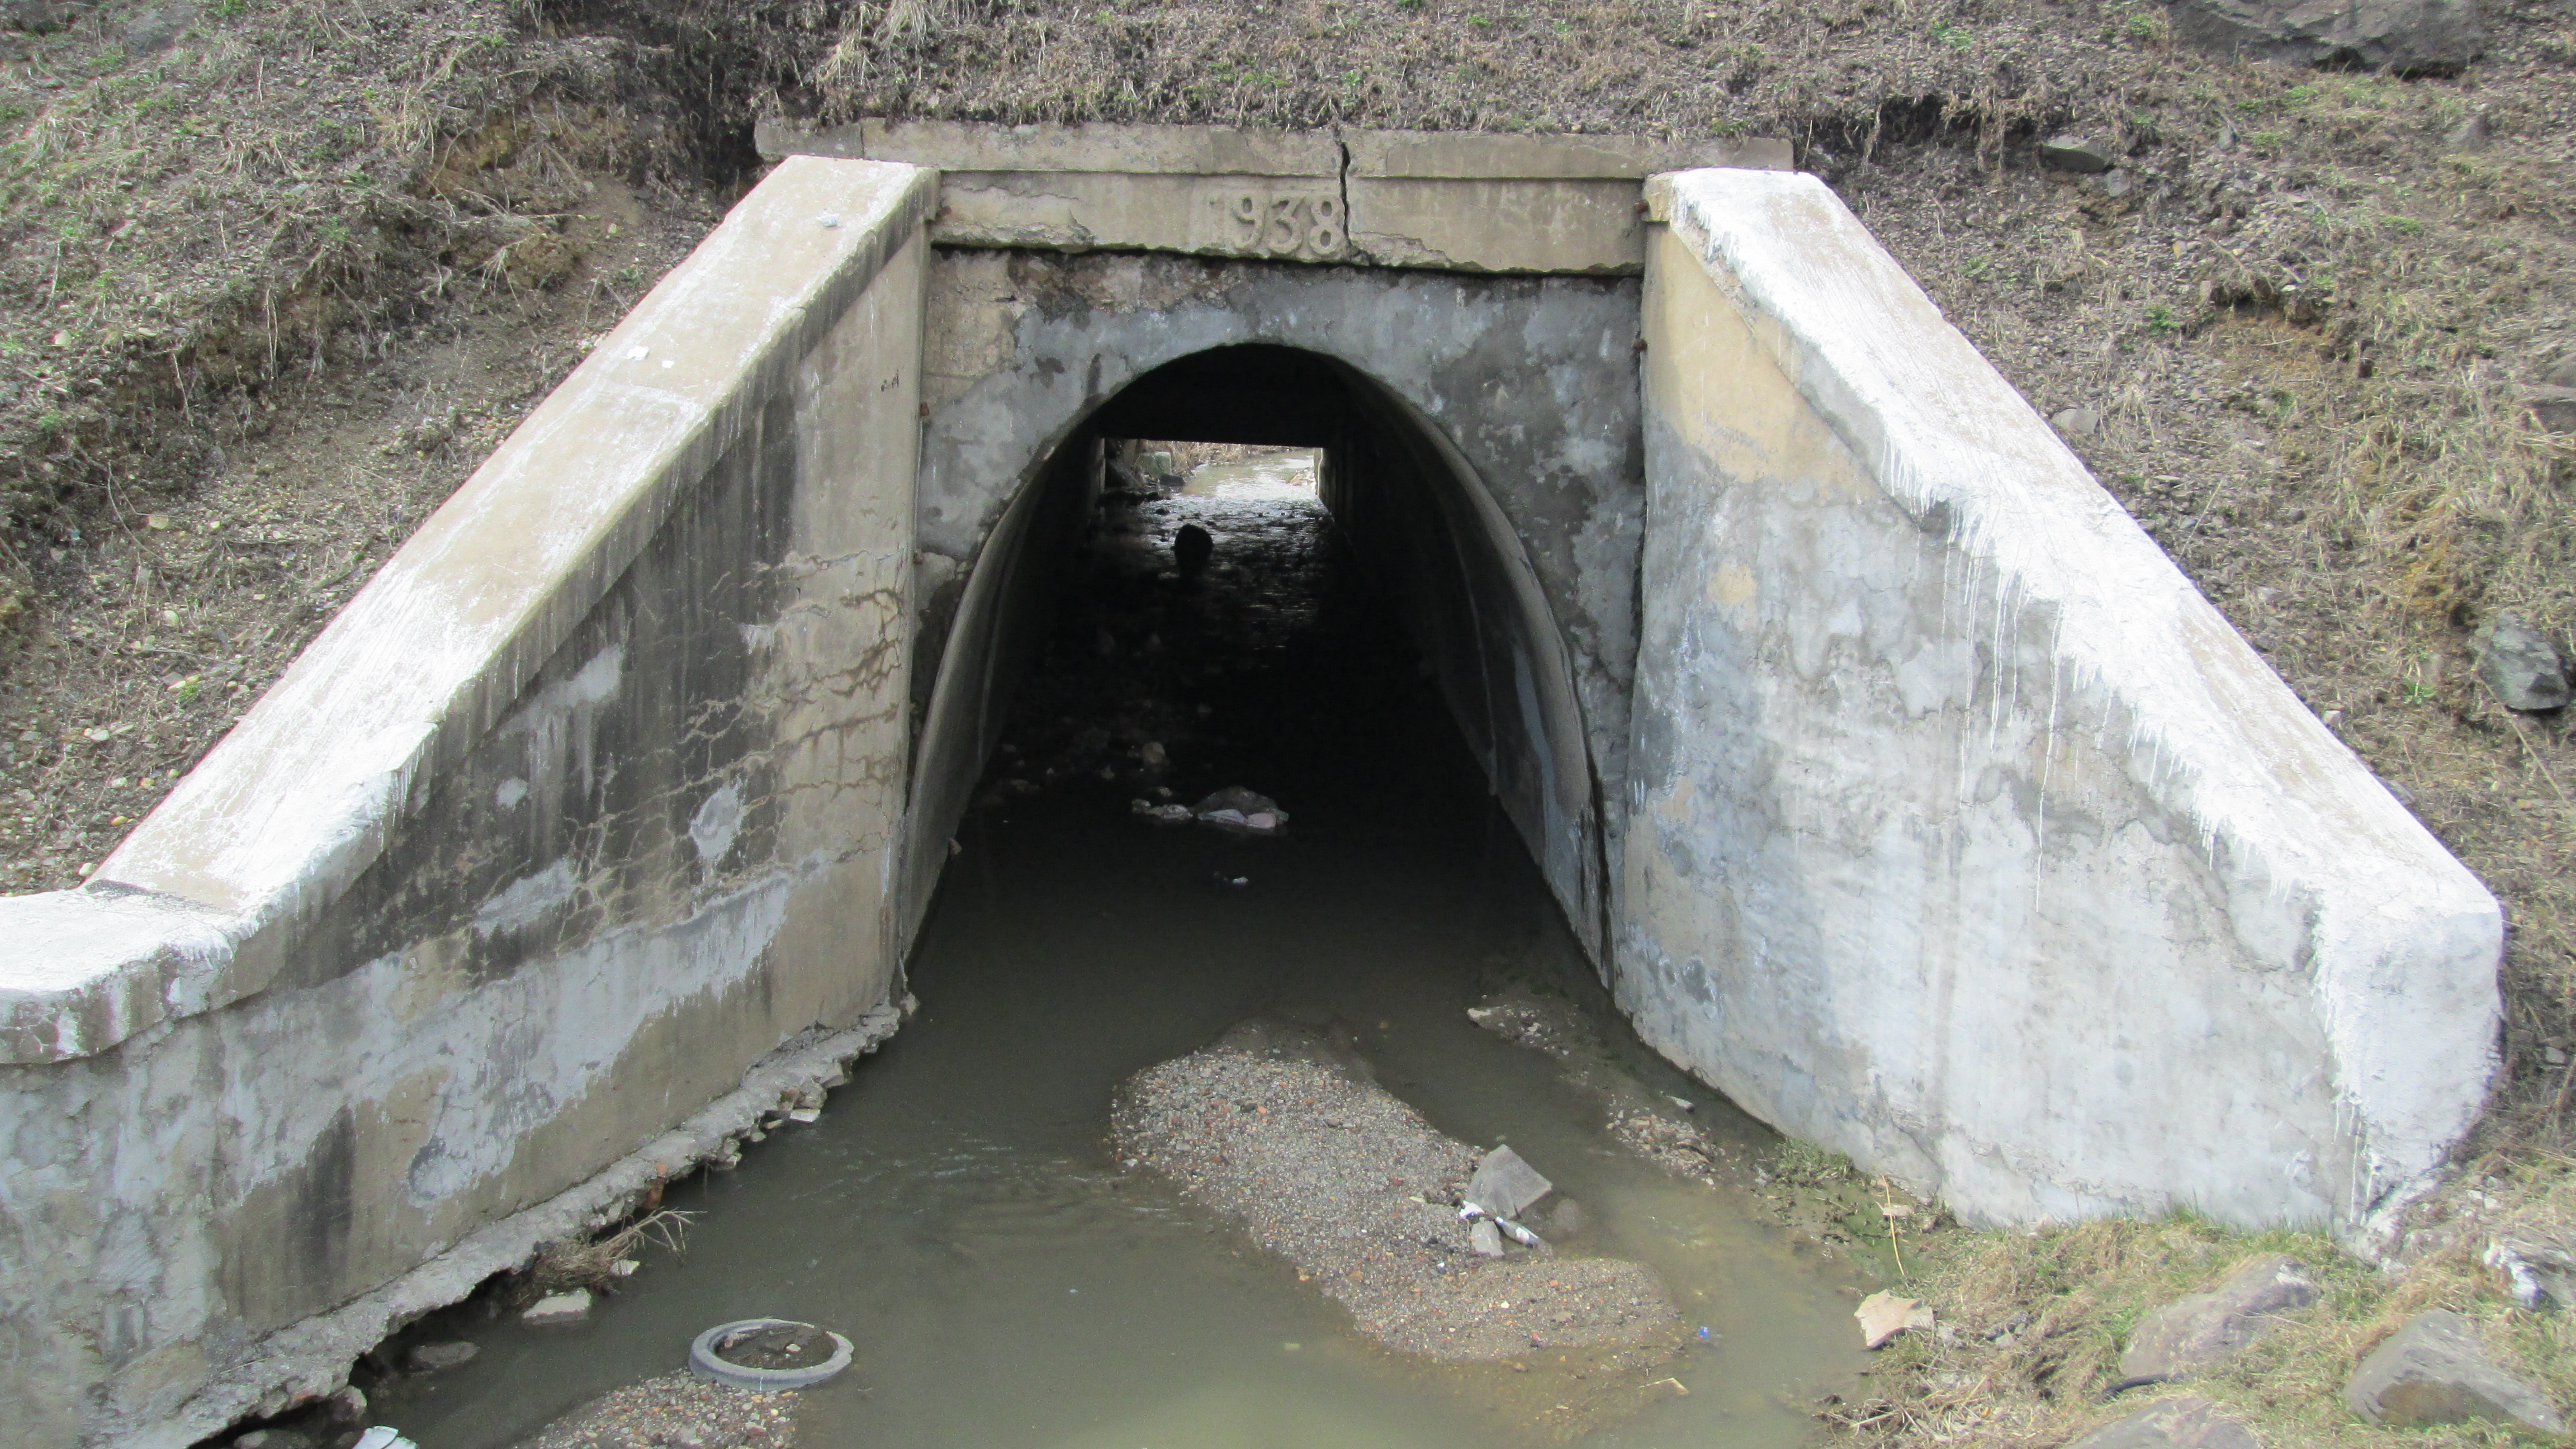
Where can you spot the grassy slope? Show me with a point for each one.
(2305, 327)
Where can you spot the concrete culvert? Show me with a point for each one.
(1718, 625)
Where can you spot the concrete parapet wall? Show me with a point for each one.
(1446, 200)
(506, 875)
(1964, 835)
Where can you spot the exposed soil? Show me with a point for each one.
(1320, 1165)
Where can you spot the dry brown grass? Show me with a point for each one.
(594, 1264)
(2034, 1321)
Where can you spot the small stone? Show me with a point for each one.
(2077, 422)
(273, 1439)
(157, 29)
(558, 1310)
(1883, 1316)
(2472, 134)
(2432, 1371)
(2190, 1334)
(2116, 183)
(2521, 664)
(2188, 1422)
(2080, 154)
(1485, 1238)
(432, 1358)
(2553, 406)
(36, 17)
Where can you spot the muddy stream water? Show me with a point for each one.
(957, 1212)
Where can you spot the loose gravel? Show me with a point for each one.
(675, 1411)
(1354, 1189)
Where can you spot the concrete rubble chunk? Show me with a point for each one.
(1485, 1238)
(2433, 1371)
(2410, 37)
(2187, 1422)
(2539, 1273)
(1504, 1185)
(2080, 154)
(558, 1310)
(1883, 1316)
(2195, 1332)
(2520, 664)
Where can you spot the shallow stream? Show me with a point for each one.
(956, 1211)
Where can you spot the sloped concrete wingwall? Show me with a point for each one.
(587, 804)
(1964, 835)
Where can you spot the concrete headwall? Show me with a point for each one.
(1964, 835)
(1522, 390)
(587, 804)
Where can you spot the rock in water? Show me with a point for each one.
(2190, 1334)
(431, 1358)
(2410, 37)
(2188, 1422)
(1504, 1185)
(2520, 664)
(1279, 1132)
(1192, 547)
(558, 1310)
(2432, 1371)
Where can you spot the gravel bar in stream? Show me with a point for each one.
(1331, 1172)
(674, 1411)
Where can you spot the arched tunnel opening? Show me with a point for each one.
(1401, 548)
(1101, 959)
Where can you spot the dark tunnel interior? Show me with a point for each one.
(1314, 625)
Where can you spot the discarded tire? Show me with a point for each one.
(704, 1362)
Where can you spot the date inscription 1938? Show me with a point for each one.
(1278, 223)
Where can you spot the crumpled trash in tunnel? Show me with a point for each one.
(1162, 814)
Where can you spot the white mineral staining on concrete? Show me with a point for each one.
(713, 828)
(525, 901)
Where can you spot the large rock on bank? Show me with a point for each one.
(2188, 1422)
(2410, 37)
(2433, 1371)
(2203, 1329)
(1323, 1167)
